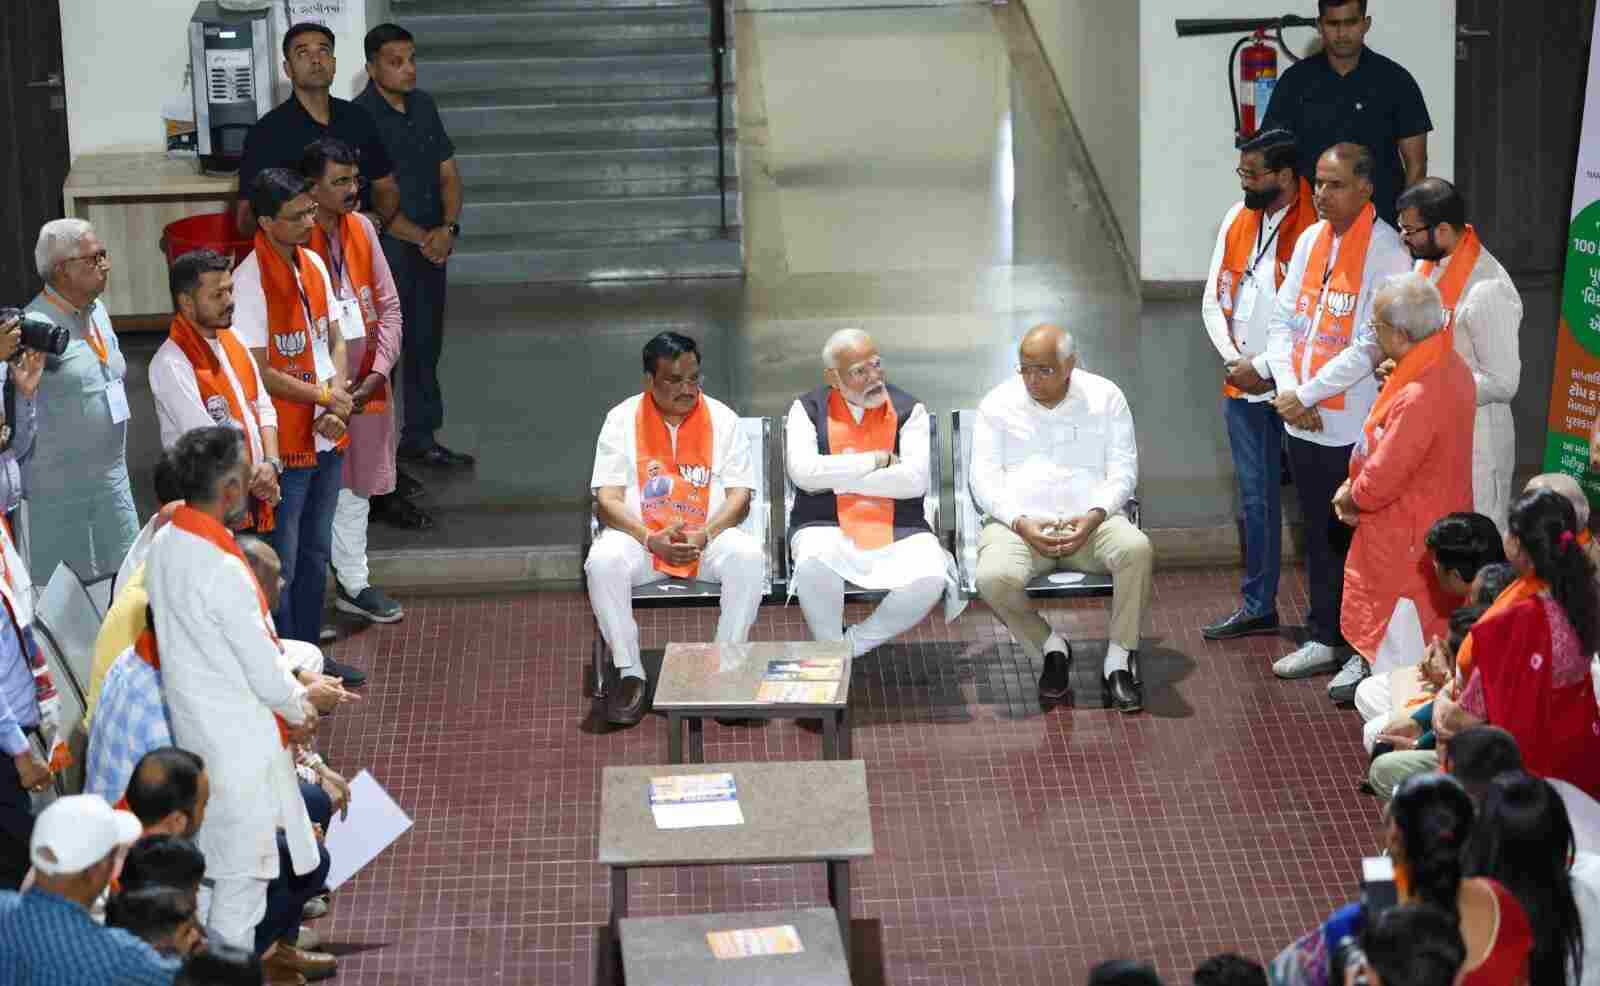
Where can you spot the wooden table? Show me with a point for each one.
(672, 951)
(699, 680)
(130, 198)
(810, 812)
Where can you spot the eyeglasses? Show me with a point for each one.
(1407, 232)
(304, 215)
(99, 259)
(1251, 175)
(1043, 372)
(864, 371)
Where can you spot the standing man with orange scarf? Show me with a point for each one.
(1254, 246)
(858, 457)
(673, 478)
(285, 312)
(369, 315)
(1483, 316)
(1322, 351)
(1411, 466)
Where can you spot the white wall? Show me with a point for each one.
(1186, 181)
(123, 58)
(1093, 46)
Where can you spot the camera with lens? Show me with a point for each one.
(1378, 894)
(38, 333)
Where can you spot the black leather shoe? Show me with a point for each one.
(406, 485)
(629, 707)
(440, 458)
(1122, 690)
(352, 677)
(1055, 683)
(1240, 624)
(396, 511)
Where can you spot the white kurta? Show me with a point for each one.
(1488, 322)
(897, 564)
(1258, 294)
(180, 408)
(223, 678)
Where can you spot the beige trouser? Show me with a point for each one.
(1006, 563)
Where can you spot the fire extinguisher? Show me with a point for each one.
(1258, 74)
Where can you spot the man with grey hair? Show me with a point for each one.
(80, 501)
(1054, 461)
(1412, 464)
(858, 457)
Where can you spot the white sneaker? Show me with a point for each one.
(308, 939)
(1312, 658)
(1342, 689)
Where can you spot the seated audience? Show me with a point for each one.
(46, 934)
(1411, 463)
(1229, 969)
(132, 719)
(1525, 666)
(160, 916)
(857, 453)
(1123, 972)
(1413, 945)
(1524, 842)
(1459, 546)
(672, 481)
(1054, 462)
(220, 965)
(169, 792)
(1572, 491)
(1407, 744)
(1429, 823)
(1477, 755)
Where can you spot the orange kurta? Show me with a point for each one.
(1418, 469)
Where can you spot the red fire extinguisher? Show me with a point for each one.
(1258, 74)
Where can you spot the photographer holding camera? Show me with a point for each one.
(79, 499)
(20, 370)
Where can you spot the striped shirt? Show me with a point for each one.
(130, 721)
(47, 940)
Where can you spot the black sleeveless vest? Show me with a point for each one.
(813, 509)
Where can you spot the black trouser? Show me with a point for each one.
(288, 893)
(16, 825)
(1318, 471)
(421, 286)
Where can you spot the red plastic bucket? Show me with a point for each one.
(214, 230)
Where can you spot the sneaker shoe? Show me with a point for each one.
(316, 907)
(369, 604)
(351, 677)
(328, 634)
(307, 938)
(1342, 689)
(1312, 658)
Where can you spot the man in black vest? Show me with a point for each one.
(858, 457)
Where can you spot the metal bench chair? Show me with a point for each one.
(672, 591)
(66, 614)
(969, 523)
(73, 692)
(931, 504)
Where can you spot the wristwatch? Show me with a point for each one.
(276, 464)
(455, 230)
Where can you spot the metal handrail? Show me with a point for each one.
(719, 53)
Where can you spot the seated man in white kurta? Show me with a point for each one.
(858, 457)
(673, 477)
(1054, 461)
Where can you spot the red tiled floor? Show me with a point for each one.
(1013, 846)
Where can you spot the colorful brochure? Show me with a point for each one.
(686, 801)
(746, 943)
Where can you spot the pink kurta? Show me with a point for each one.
(369, 463)
(1419, 470)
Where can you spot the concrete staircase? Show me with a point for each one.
(586, 132)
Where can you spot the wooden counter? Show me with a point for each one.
(130, 198)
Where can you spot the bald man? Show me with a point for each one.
(1054, 461)
(1564, 485)
(858, 457)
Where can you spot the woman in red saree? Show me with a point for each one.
(1525, 666)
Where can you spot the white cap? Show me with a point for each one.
(76, 832)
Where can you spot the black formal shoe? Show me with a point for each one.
(1056, 682)
(440, 458)
(629, 707)
(1241, 624)
(352, 677)
(406, 485)
(1122, 690)
(396, 511)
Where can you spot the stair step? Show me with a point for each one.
(602, 157)
(404, 11)
(512, 98)
(512, 209)
(465, 27)
(530, 66)
(532, 259)
(618, 116)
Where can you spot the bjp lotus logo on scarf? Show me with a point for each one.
(1340, 303)
(696, 476)
(290, 344)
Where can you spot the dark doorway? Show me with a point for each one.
(34, 159)
(1520, 74)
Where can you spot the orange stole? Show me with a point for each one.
(1524, 588)
(673, 485)
(1238, 250)
(1415, 363)
(358, 261)
(1334, 294)
(1455, 276)
(289, 342)
(868, 521)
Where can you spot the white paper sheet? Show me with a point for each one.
(374, 824)
(1402, 645)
